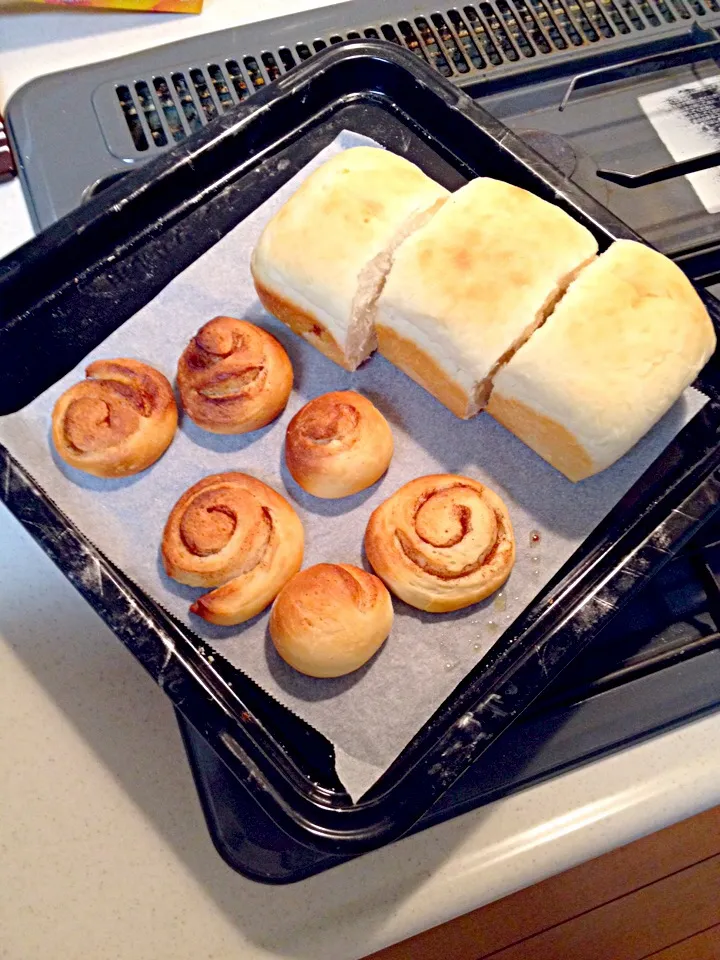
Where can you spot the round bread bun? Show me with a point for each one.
(330, 619)
(235, 533)
(233, 377)
(118, 421)
(338, 444)
(441, 542)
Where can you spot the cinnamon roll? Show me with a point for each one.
(118, 421)
(338, 444)
(330, 619)
(441, 542)
(235, 533)
(233, 377)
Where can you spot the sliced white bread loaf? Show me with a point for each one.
(322, 259)
(470, 286)
(626, 339)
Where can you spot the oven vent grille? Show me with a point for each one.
(462, 43)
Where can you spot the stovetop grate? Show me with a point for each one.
(464, 44)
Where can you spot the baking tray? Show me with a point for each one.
(64, 292)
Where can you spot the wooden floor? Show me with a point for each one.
(655, 899)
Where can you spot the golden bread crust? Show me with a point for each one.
(118, 421)
(233, 377)
(302, 323)
(629, 335)
(425, 371)
(232, 532)
(330, 619)
(547, 437)
(338, 444)
(441, 542)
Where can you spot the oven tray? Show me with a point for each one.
(67, 290)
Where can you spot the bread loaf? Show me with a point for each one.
(618, 350)
(322, 258)
(471, 285)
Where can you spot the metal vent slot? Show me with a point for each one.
(482, 30)
(433, 49)
(303, 51)
(237, 79)
(598, 18)
(170, 109)
(372, 34)
(132, 118)
(411, 39)
(335, 39)
(254, 71)
(221, 87)
(451, 43)
(187, 102)
(513, 29)
(639, 16)
(150, 111)
(389, 33)
(272, 68)
(463, 34)
(564, 19)
(618, 21)
(319, 45)
(286, 58)
(202, 89)
(533, 28)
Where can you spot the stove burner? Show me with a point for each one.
(552, 148)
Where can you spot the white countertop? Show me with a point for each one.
(103, 848)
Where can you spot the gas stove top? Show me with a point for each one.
(658, 662)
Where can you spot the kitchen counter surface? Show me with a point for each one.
(103, 848)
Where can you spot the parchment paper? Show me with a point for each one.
(372, 714)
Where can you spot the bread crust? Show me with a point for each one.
(232, 532)
(425, 371)
(441, 542)
(471, 284)
(338, 444)
(304, 324)
(118, 421)
(233, 377)
(547, 437)
(330, 619)
(321, 260)
(621, 345)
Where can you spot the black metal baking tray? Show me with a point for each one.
(64, 292)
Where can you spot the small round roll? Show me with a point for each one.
(233, 377)
(118, 421)
(233, 532)
(330, 619)
(337, 445)
(441, 542)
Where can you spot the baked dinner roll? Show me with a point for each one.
(338, 444)
(623, 343)
(322, 258)
(441, 542)
(467, 288)
(118, 421)
(232, 532)
(233, 377)
(330, 619)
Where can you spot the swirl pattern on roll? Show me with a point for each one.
(441, 542)
(233, 377)
(116, 422)
(338, 444)
(235, 533)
